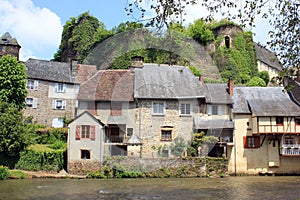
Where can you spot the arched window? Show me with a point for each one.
(227, 42)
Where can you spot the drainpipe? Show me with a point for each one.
(234, 148)
(68, 151)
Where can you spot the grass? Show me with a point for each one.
(42, 147)
(16, 174)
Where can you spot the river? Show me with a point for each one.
(249, 187)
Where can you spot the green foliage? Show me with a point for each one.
(198, 139)
(15, 135)
(97, 175)
(199, 32)
(178, 147)
(4, 172)
(51, 135)
(217, 24)
(58, 145)
(256, 82)
(12, 81)
(41, 160)
(265, 76)
(238, 61)
(195, 70)
(16, 174)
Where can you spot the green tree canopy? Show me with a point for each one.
(14, 132)
(256, 82)
(12, 81)
(199, 32)
(265, 76)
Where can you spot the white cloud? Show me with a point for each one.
(38, 30)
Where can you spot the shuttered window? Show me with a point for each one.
(251, 142)
(85, 132)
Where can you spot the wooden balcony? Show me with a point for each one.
(290, 150)
(114, 139)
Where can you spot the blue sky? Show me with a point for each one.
(37, 24)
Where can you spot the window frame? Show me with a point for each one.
(32, 85)
(254, 142)
(183, 109)
(297, 121)
(279, 121)
(79, 132)
(85, 132)
(32, 103)
(158, 103)
(56, 106)
(166, 132)
(82, 154)
(60, 88)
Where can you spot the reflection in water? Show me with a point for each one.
(193, 188)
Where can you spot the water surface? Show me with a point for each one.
(184, 188)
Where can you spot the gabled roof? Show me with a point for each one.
(96, 118)
(264, 101)
(268, 57)
(108, 85)
(166, 82)
(6, 39)
(49, 70)
(84, 72)
(217, 94)
(294, 90)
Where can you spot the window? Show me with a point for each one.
(116, 109)
(32, 85)
(85, 132)
(297, 121)
(251, 142)
(59, 104)
(166, 135)
(227, 42)
(31, 102)
(129, 131)
(279, 121)
(214, 109)
(288, 140)
(185, 109)
(85, 154)
(60, 87)
(158, 108)
(57, 122)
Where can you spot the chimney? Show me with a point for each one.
(201, 79)
(230, 86)
(137, 61)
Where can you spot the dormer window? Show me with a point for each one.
(60, 87)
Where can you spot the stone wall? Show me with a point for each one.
(44, 113)
(82, 167)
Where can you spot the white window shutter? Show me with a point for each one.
(56, 87)
(35, 103)
(35, 85)
(220, 109)
(64, 87)
(209, 109)
(54, 104)
(64, 104)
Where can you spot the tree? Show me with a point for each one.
(256, 82)
(199, 32)
(12, 81)
(265, 76)
(14, 132)
(283, 16)
(78, 37)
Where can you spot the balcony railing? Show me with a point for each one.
(290, 150)
(114, 139)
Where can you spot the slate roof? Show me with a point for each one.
(217, 94)
(264, 101)
(6, 39)
(166, 82)
(268, 57)
(108, 85)
(49, 70)
(84, 72)
(200, 123)
(294, 90)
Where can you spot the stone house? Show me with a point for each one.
(109, 96)
(51, 92)
(85, 143)
(267, 128)
(9, 46)
(167, 99)
(267, 61)
(216, 118)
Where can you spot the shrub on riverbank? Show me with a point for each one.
(3, 173)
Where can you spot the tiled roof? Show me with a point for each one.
(6, 39)
(166, 82)
(267, 57)
(217, 93)
(264, 101)
(108, 85)
(85, 72)
(49, 70)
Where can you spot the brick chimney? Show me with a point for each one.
(201, 79)
(137, 61)
(230, 86)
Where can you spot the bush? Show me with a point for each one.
(3, 173)
(97, 174)
(59, 145)
(16, 174)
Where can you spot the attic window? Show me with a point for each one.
(227, 42)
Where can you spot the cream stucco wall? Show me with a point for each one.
(94, 146)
